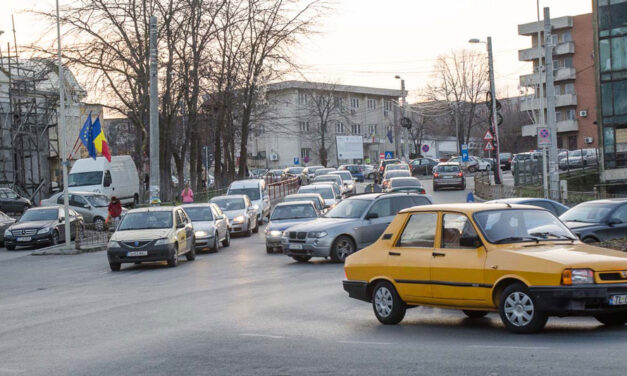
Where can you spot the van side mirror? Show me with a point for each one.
(470, 241)
(107, 182)
(180, 225)
(372, 215)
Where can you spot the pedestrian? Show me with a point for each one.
(114, 210)
(187, 195)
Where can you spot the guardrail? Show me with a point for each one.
(91, 236)
(282, 188)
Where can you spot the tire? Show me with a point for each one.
(590, 240)
(115, 266)
(612, 319)
(463, 187)
(256, 229)
(174, 260)
(54, 238)
(388, 307)
(216, 243)
(269, 249)
(475, 314)
(472, 169)
(99, 223)
(342, 247)
(191, 254)
(302, 258)
(435, 188)
(517, 309)
(10, 248)
(227, 240)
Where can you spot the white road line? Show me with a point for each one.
(11, 371)
(509, 347)
(261, 335)
(366, 343)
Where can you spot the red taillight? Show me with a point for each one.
(509, 160)
(460, 174)
(435, 174)
(381, 169)
(422, 191)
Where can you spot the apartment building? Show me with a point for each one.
(290, 128)
(574, 79)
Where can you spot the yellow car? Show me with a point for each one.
(515, 259)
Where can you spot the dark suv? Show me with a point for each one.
(381, 168)
(11, 202)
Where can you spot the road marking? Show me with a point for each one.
(366, 343)
(509, 347)
(261, 335)
(12, 371)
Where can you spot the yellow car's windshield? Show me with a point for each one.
(519, 225)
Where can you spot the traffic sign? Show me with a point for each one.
(488, 136)
(389, 154)
(425, 148)
(464, 152)
(296, 160)
(382, 155)
(544, 137)
(406, 122)
(488, 146)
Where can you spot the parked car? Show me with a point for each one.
(422, 166)
(394, 174)
(405, 184)
(308, 173)
(325, 190)
(211, 226)
(448, 174)
(5, 223)
(116, 178)
(381, 168)
(258, 173)
(257, 192)
(334, 179)
(94, 207)
(285, 215)
(556, 208)
(471, 165)
(293, 172)
(506, 161)
(316, 198)
(11, 202)
(515, 260)
(152, 234)
(240, 211)
(526, 161)
(353, 224)
(599, 220)
(356, 171)
(483, 164)
(577, 158)
(322, 171)
(350, 188)
(41, 226)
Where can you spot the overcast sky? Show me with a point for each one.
(368, 42)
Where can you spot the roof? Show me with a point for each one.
(153, 209)
(196, 205)
(228, 196)
(513, 200)
(304, 202)
(302, 194)
(467, 208)
(285, 85)
(46, 207)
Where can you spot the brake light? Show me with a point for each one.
(381, 169)
(460, 174)
(422, 191)
(435, 174)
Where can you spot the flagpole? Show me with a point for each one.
(61, 130)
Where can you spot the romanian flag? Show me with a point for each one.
(99, 139)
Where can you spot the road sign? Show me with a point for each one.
(296, 160)
(406, 122)
(464, 152)
(488, 136)
(349, 147)
(425, 148)
(389, 155)
(488, 146)
(544, 137)
(306, 159)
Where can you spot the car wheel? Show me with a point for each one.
(174, 260)
(227, 240)
(612, 319)
(256, 229)
(435, 188)
(387, 305)
(472, 169)
(115, 266)
(488, 168)
(216, 243)
(10, 248)
(191, 254)
(518, 310)
(302, 258)
(54, 238)
(342, 247)
(463, 187)
(99, 224)
(269, 249)
(590, 240)
(249, 231)
(475, 314)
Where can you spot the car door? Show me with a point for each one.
(80, 205)
(181, 232)
(189, 229)
(61, 223)
(457, 265)
(4, 202)
(408, 261)
(375, 221)
(617, 225)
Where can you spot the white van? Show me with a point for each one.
(257, 193)
(118, 178)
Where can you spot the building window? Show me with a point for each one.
(356, 128)
(387, 107)
(567, 62)
(570, 114)
(372, 104)
(572, 142)
(354, 102)
(566, 37)
(339, 128)
(338, 102)
(558, 116)
(569, 88)
(305, 153)
(302, 97)
(303, 126)
(372, 130)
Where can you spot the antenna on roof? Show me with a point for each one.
(508, 205)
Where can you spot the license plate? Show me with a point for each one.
(296, 246)
(618, 300)
(137, 253)
(24, 239)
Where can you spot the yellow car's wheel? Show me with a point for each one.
(519, 310)
(387, 305)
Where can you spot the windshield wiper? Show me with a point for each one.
(516, 239)
(547, 234)
(577, 220)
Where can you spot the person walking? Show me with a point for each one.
(114, 211)
(187, 195)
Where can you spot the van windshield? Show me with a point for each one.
(252, 193)
(79, 179)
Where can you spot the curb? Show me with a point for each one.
(63, 250)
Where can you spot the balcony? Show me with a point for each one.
(533, 104)
(562, 126)
(556, 23)
(561, 74)
(530, 54)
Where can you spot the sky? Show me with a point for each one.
(368, 42)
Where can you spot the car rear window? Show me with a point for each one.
(409, 182)
(447, 168)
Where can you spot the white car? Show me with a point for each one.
(484, 163)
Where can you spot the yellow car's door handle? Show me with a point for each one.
(394, 254)
(438, 254)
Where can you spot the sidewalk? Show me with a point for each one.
(62, 249)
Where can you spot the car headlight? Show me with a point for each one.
(44, 230)
(163, 241)
(317, 234)
(113, 244)
(577, 276)
(7, 233)
(275, 233)
(238, 219)
(256, 207)
(201, 234)
(285, 234)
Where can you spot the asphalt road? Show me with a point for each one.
(243, 312)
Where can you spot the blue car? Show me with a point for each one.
(355, 170)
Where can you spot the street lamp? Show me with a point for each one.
(403, 112)
(495, 124)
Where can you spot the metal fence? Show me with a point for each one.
(91, 236)
(529, 171)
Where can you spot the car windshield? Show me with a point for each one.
(252, 193)
(40, 215)
(590, 213)
(575, 153)
(300, 198)
(295, 170)
(344, 175)
(349, 209)
(396, 167)
(293, 212)
(98, 201)
(79, 179)
(448, 168)
(354, 169)
(199, 213)
(146, 220)
(517, 225)
(325, 191)
(405, 183)
(226, 204)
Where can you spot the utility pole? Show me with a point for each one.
(62, 131)
(404, 146)
(495, 122)
(550, 107)
(154, 116)
(541, 77)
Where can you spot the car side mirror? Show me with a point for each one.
(180, 225)
(614, 221)
(372, 215)
(61, 220)
(221, 217)
(470, 241)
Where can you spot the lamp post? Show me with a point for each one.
(495, 123)
(403, 112)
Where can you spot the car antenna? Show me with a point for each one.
(508, 205)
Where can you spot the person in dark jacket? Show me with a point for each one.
(115, 209)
